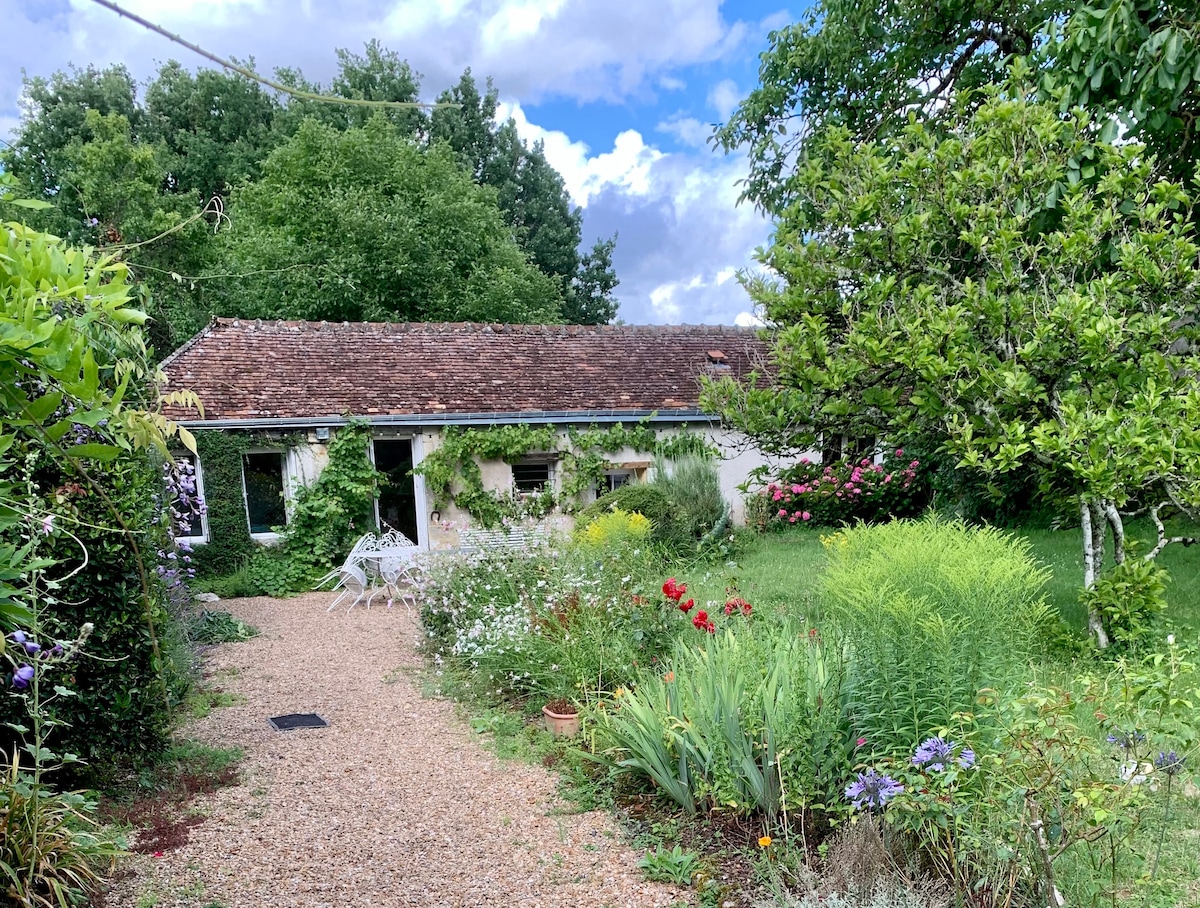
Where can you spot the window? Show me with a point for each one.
(614, 479)
(189, 500)
(531, 477)
(262, 477)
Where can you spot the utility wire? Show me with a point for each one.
(262, 80)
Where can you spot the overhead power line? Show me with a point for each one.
(263, 80)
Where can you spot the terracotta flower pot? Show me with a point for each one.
(562, 720)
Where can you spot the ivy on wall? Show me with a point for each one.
(220, 452)
(453, 475)
(332, 513)
(229, 543)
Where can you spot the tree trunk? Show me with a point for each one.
(1118, 531)
(1092, 521)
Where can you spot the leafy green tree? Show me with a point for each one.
(366, 224)
(216, 127)
(864, 66)
(62, 113)
(378, 74)
(868, 65)
(151, 181)
(590, 301)
(961, 285)
(470, 127)
(1137, 61)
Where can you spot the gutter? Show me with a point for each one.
(417, 420)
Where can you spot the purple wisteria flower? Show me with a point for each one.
(1126, 739)
(872, 790)
(29, 646)
(1169, 762)
(22, 676)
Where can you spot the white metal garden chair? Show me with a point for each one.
(352, 580)
(376, 564)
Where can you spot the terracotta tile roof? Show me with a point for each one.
(247, 370)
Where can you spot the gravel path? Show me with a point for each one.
(395, 804)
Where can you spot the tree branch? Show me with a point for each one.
(1163, 539)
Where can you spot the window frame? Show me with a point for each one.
(548, 484)
(268, 536)
(630, 478)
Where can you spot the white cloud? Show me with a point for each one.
(8, 126)
(586, 49)
(626, 167)
(748, 320)
(210, 11)
(724, 97)
(687, 130)
(517, 22)
(682, 238)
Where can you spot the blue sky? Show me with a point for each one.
(624, 96)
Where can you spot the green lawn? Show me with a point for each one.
(783, 570)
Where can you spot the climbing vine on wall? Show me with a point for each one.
(453, 475)
(324, 520)
(331, 514)
(229, 543)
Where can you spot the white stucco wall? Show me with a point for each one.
(738, 458)
(439, 526)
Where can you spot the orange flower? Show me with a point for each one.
(669, 677)
(764, 842)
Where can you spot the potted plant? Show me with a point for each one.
(562, 717)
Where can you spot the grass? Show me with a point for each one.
(159, 804)
(782, 570)
(1062, 552)
(204, 700)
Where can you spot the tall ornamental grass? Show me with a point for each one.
(933, 611)
(749, 719)
(693, 485)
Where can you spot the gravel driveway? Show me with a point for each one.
(395, 804)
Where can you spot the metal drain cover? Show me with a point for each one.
(297, 720)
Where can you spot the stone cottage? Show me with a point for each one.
(290, 386)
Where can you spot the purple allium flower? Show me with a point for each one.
(934, 753)
(872, 789)
(1170, 762)
(1126, 739)
(22, 676)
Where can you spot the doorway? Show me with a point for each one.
(397, 502)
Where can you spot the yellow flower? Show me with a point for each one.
(764, 842)
(619, 693)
